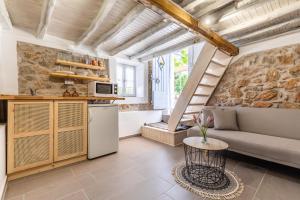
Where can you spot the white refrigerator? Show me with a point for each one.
(103, 129)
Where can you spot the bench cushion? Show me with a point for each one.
(277, 149)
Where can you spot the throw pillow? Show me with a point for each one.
(205, 115)
(225, 119)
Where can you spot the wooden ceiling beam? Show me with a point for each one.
(165, 39)
(135, 12)
(103, 12)
(151, 31)
(268, 32)
(47, 11)
(187, 20)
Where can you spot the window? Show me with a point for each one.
(126, 76)
(180, 65)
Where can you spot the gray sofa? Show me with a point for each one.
(270, 134)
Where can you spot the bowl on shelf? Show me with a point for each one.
(82, 73)
(65, 72)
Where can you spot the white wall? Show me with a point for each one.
(2, 159)
(271, 43)
(130, 122)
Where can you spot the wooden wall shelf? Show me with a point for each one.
(79, 65)
(73, 76)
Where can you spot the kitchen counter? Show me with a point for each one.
(26, 97)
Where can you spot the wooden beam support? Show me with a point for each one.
(184, 18)
(268, 32)
(170, 49)
(103, 12)
(136, 11)
(151, 31)
(165, 39)
(47, 11)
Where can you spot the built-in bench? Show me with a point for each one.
(160, 133)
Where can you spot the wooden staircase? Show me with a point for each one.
(205, 76)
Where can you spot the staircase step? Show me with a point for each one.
(213, 75)
(192, 113)
(196, 104)
(201, 95)
(218, 63)
(206, 85)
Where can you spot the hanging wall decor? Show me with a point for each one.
(161, 62)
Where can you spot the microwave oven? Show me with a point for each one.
(96, 88)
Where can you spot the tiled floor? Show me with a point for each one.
(141, 170)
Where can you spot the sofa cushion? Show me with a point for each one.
(270, 121)
(277, 149)
(225, 119)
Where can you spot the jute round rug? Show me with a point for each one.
(230, 188)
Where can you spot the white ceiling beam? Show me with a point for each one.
(193, 4)
(148, 33)
(287, 13)
(4, 17)
(170, 49)
(231, 10)
(268, 32)
(103, 12)
(165, 39)
(47, 11)
(213, 7)
(136, 11)
(240, 7)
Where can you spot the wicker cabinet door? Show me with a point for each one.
(70, 129)
(30, 135)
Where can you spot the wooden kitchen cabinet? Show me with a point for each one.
(45, 134)
(30, 135)
(70, 129)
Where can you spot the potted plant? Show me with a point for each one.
(203, 127)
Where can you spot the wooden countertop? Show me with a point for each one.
(25, 97)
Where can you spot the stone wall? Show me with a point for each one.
(36, 62)
(263, 79)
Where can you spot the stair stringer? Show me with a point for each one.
(191, 86)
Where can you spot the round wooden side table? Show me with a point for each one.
(205, 162)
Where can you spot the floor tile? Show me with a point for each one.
(179, 193)
(250, 174)
(163, 197)
(142, 169)
(148, 189)
(20, 197)
(278, 186)
(80, 195)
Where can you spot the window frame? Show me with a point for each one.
(123, 92)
